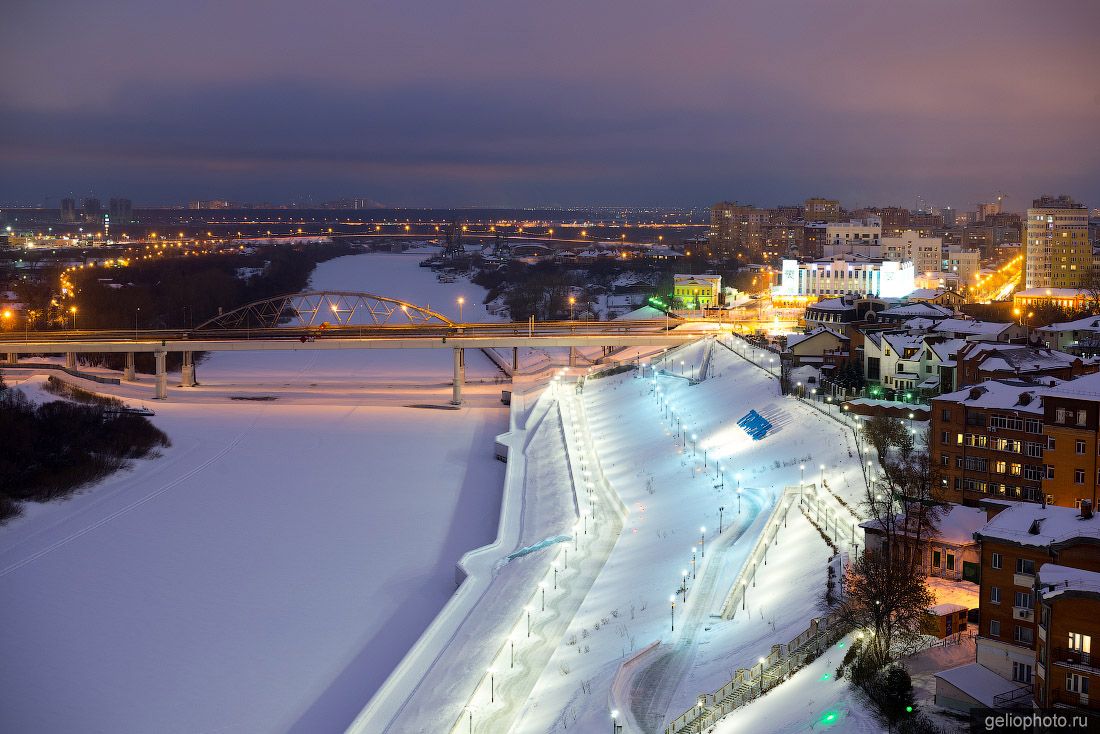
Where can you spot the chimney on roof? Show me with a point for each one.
(1086, 509)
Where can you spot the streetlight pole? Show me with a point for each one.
(528, 610)
(693, 562)
(684, 583)
(702, 542)
(542, 588)
(672, 602)
(512, 640)
(721, 509)
(492, 685)
(738, 500)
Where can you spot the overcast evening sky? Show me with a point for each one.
(519, 102)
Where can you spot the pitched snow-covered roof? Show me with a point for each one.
(1085, 386)
(1018, 395)
(1088, 323)
(1055, 580)
(900, 342)
(918, 308)
(956, 524)
(1017, 357)
(947, 350)
(798, 338)
(1029, 523)
(970, 327)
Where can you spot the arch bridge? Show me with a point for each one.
(325, 320)
(317, 308)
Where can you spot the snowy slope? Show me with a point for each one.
(671, 494)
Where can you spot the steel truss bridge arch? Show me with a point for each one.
(336, 308)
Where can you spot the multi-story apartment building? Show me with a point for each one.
(1037, 607)
(737, 230)
(1068, 599)
(1038, 604)
(895, 220)
(1056, 242)
(987, 440)
(926, 253)
(1036, 440)
(847, 237)
(818, 209)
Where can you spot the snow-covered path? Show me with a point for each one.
(661, 476)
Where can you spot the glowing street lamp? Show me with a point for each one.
(72, 310)
(461, 300)
(572, 302)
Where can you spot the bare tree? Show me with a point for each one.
(886, 592)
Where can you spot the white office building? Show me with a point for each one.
(845, 275)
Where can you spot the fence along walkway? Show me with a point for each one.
(759, 554)
(750, 683)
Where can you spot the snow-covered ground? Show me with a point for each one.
(671, 495)
(270, 569)
(812, 700)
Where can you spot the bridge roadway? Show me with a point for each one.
(457, 337)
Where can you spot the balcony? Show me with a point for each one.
(1069, 698)
(1023, 613)
(1027, 580)
(1075, 657)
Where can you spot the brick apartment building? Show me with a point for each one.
(988, 441)
(1020, 439)
(1038, 603)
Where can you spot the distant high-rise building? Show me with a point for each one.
(122, 210)
(948, 216)
(91, 210)
(986, 210)
(818, 209)
(926, 253)
(895, 220)
(1056, 244)
(737, 230)
(68, 210)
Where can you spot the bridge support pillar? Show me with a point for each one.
(515, 359)
(70, 360)
(129, 372)
(162, 374)
(459, 376)
(13, 358)
(572, 356)
(188, 370)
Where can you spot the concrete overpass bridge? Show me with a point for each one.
(327, 320)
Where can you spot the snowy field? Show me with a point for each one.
(269, 570)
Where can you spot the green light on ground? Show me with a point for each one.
(824, 677)
(908, 709)
(840, 644)
(828, 718)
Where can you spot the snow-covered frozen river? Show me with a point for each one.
(273, 566)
